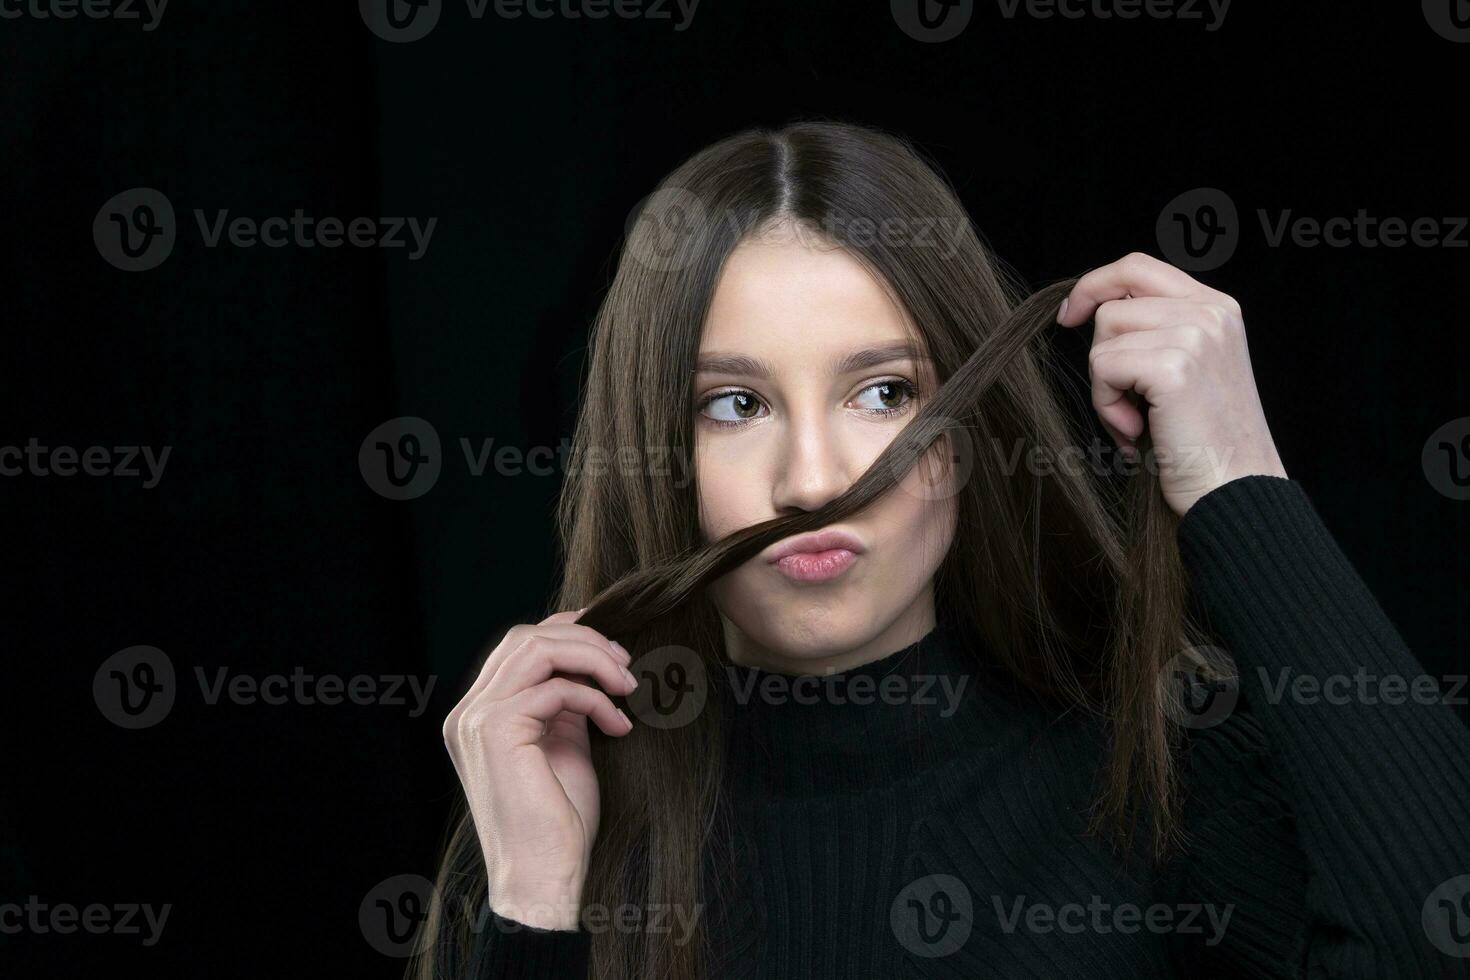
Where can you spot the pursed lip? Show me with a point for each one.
(814, 542)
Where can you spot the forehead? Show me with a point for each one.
(785, 296)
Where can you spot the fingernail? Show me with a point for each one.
(1062, 311)
(626, 718)
(627, 657)
(631, 679)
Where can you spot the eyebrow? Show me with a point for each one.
(858, 360)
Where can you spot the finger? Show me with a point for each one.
(516, 637)
(566, 616)
(1114, 374)
(566, 625)
(569, 617)
(1119, 439)
(1135, 274)
(1186, 339)
(1146, 371)
(542, 657)
(542, 704)
(1143, 314)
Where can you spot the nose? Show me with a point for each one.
(812, 469)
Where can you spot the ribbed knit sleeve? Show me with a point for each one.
(1333, 810)
(509, 950)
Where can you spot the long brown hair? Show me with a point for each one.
(1074, 583)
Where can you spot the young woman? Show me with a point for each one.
(919, 690)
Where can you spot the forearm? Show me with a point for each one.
(1376, 765)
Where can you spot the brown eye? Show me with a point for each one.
(885, 396)
(732, 406)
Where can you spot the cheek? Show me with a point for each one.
(917, 519)
(916, 529)
(728, 491)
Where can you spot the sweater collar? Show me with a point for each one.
(891, 719)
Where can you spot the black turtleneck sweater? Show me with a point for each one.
(936, 827)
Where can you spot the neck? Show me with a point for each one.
(893, 718)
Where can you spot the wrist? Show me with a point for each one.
(544, 905)
(560, 916)
(1270, 466)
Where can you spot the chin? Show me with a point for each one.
(806, 629)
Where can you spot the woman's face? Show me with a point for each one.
(807, 369)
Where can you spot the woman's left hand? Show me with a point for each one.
(1181, 346)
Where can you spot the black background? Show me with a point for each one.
(263, 549)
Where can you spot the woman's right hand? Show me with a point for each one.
(519, 743)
